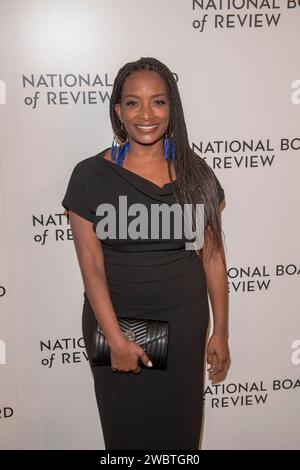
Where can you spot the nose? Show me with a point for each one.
(146, 111)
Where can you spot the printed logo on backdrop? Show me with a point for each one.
(6, 412)
(239, 14)
(51, 227)
(62, 351)
(250, 153)
(244, 394)
(246, 279)
(58, 89)
(2, 291)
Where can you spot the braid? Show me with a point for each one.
(195, 179)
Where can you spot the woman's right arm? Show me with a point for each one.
(90, 257)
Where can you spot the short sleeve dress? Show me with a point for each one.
(153, 278)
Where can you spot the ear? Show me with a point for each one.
(118, 111)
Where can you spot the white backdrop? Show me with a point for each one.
(239, 79)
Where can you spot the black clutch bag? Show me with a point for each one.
(151, 335)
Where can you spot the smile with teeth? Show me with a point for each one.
(147, 127)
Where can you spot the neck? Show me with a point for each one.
(143, 154)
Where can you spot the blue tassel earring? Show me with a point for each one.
(168, 144)
(123, 149)
(114, 149)
(118, 152)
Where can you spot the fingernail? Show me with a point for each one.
(150, 364)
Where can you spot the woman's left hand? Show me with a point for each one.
(218, 355)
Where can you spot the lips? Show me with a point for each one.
(146, 127)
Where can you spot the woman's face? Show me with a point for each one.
(144, 107)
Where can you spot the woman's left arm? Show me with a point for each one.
(218, 355)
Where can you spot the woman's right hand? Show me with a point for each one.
(125, 356)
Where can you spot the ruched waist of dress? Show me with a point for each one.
(149, 281)
(148, 266)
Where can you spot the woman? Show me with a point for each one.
(146, 277)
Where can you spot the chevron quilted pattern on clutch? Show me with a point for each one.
(151, 335)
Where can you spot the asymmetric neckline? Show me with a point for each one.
(142, 178)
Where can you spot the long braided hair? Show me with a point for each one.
(195, 178)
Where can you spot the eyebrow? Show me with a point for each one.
(152, 96)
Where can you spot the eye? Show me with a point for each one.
(130, 102)
(160, 102)
(157, 101)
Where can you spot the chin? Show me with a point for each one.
(146, 141)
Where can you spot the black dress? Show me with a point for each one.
(147, 278)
